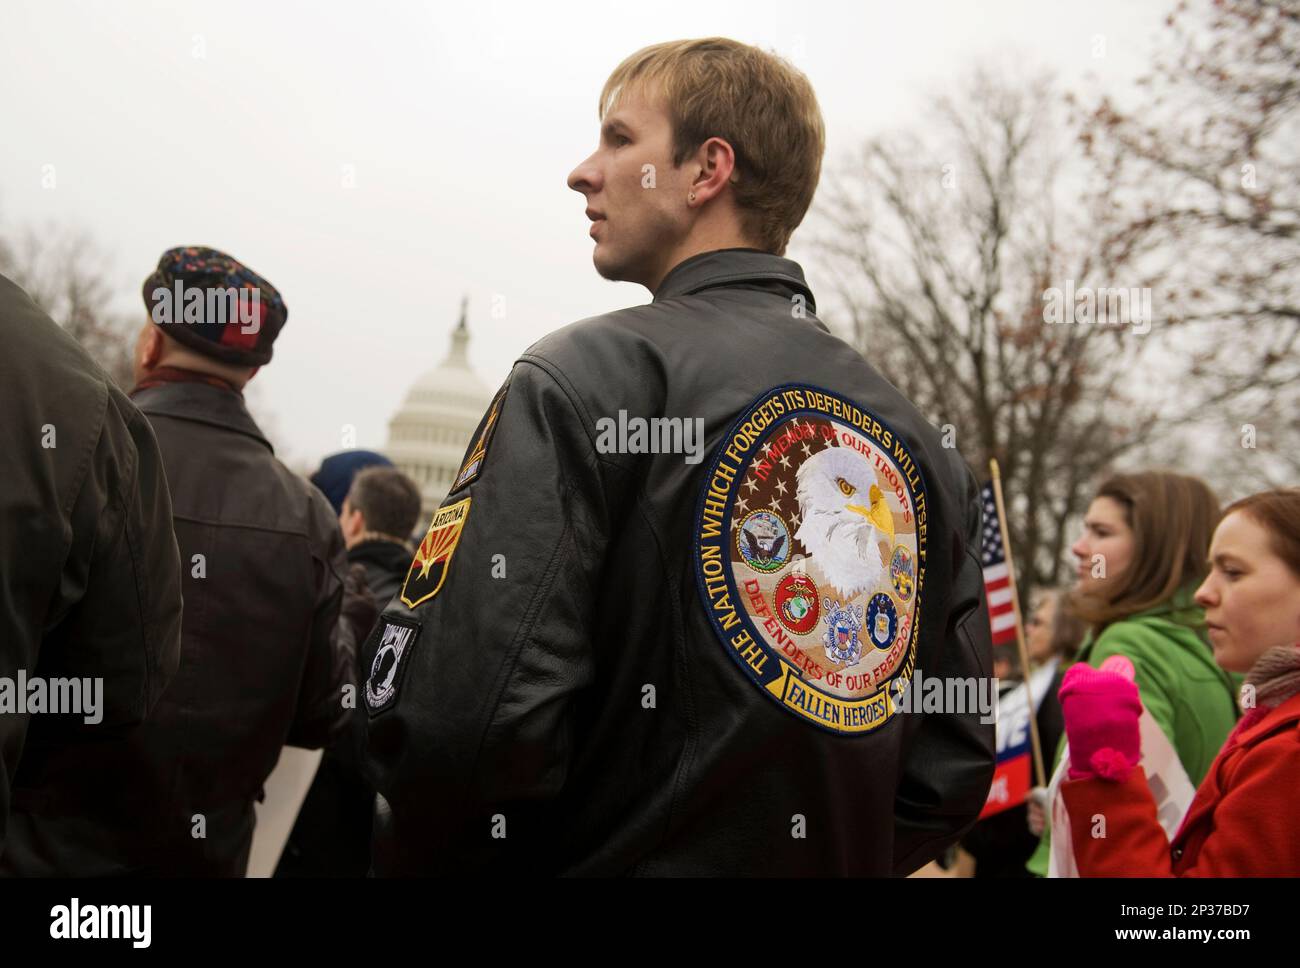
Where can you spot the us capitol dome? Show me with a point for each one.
(431, 431)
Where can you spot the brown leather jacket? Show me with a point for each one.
(264, 661)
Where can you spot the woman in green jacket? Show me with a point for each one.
(1141, 555)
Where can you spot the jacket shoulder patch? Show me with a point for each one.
(394, 638)
(433, 558)
(472, 468)
(809, 553)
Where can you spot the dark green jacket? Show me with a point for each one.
(1188, 695)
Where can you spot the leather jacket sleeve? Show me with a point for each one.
(480, 736)
(949, 764)
(118, 611)
(323, 698)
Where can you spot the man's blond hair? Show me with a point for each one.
(755, 101)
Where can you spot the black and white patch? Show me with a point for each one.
(396, 638)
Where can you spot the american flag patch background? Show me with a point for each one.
(997, 581)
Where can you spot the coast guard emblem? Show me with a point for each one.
(395, 636)
(812, 516)
(842, 635)
(433, 557)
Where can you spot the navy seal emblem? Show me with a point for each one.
(811, 515)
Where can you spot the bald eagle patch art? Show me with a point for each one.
(845, 519)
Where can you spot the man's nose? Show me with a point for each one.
(585, 178)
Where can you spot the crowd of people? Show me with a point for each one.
(1189, 614)
(606, 658)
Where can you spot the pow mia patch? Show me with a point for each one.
(433, 557)
(395, 639)
(473, 466)
(812, 515)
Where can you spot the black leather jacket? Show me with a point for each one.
(264, 661)
(615, 660)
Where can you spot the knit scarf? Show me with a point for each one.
(1275, 677)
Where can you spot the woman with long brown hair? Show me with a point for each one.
(1242, 822)
(1139, 560)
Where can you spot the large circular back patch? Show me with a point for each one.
(810, 555)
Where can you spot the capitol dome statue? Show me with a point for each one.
(430, 433)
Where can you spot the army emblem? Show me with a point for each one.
(796, 603)
(433, 557)
(882, 621)
(395, 636)
(812, 519)
(901, 573)
(764, 541)
(843, 624)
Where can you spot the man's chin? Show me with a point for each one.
(613, 268)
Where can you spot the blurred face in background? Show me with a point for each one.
(1106, 547)
(1251, 598)
(1039, 629)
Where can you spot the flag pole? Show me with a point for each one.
(1039, 777)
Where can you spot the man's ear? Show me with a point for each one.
(717, 163)
(153, 348)
(253, 374)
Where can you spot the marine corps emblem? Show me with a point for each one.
(796, 603)
(813, 514)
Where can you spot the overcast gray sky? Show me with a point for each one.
(236, 125)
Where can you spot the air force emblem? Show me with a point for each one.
(433, 557)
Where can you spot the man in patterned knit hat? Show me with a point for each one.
(265, 661)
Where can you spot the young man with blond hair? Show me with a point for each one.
(612, 657)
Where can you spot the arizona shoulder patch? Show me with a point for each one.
(433, 557)
(487, 427)
(394, 638)
(810, 555)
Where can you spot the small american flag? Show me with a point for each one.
(997, 577)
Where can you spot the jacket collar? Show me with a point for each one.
(200, 403)
(1284, 714)
(733, 267)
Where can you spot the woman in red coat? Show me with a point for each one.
(1245, 819)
